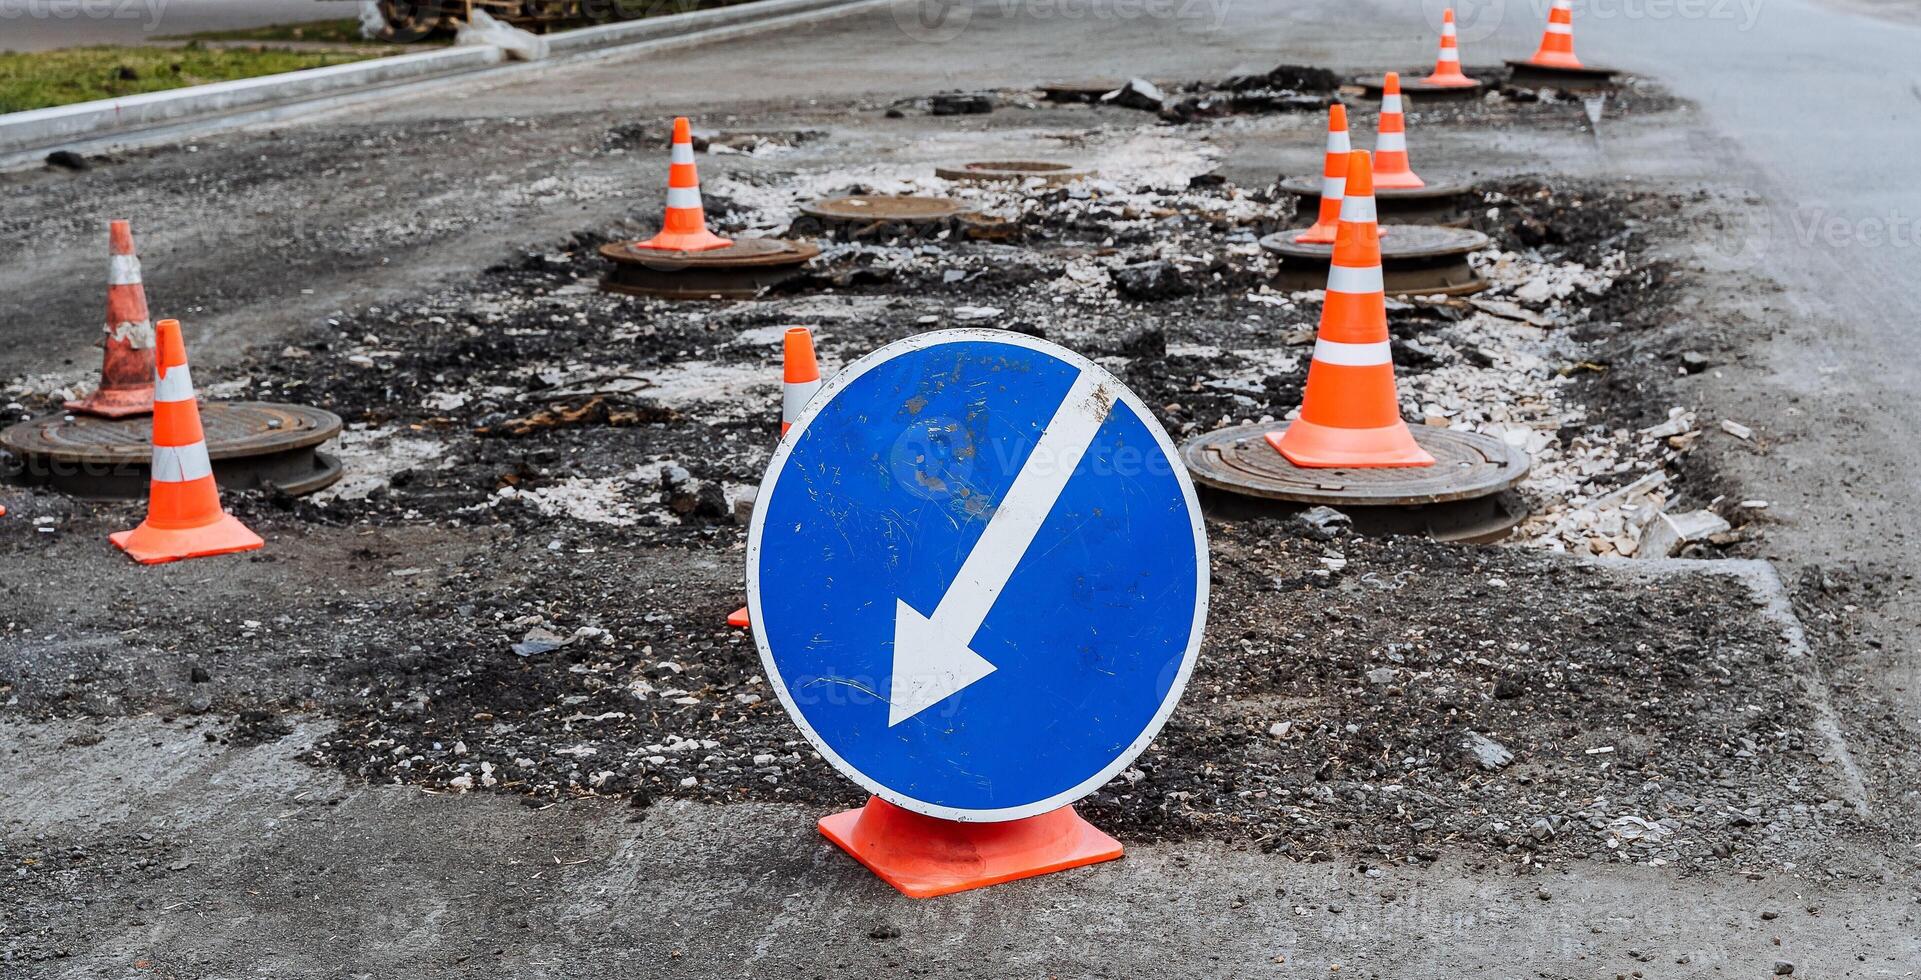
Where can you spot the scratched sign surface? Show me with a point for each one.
(977, 574)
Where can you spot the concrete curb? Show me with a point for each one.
(48, 128)
(40, 130)
(1771, 595)
(607, 35)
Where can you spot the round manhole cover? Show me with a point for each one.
(1467, 465)
(739, 271)
(1080, 90)
(1049, 171)
(1416, 260)
(1443, 203)
(1527, 75)
(1420, 91)
(902, 208)
(252, 444)
(1310, 188)
(743, 252)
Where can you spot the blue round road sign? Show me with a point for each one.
(977, 574)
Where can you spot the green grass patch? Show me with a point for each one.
(343, 31)
(37, 79)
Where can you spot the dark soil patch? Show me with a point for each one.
(1327, 713)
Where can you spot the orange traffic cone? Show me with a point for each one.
(800, 375)
(800, 378)
(685, 227)
(1447, 65)
(184, 519)
(1333, 179)
(1557, 43)
(1350, 416)
(126, 373)
(1390, 142)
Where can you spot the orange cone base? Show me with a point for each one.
(115, 404)
(1315, 446)
(685, 241)
(1405, 180)
(1456, 80)
(1321, 234)
(150, 545)
(1555, 59)
(1311, 236)
(738, 618)
(925, 857)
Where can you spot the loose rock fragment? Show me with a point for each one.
(539, 641)
(960, 104)
(1323, 523)
(1668, 533)
(1485, 752)
(1151, 280)
(1138, 93)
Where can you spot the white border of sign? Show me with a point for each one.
(827, 394)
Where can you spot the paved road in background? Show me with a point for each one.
(1814, 113)
(36, 25)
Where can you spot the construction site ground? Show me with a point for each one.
(473, 711)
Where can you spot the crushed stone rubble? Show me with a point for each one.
(1462, 719)
(1149, 228)
(593, 429)
(1507, 368)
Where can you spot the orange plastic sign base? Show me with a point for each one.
(925, 857)
(738, 618)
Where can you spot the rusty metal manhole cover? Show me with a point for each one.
(739, 271)
(901, 207)
(1419, 91)
(1571, 79)
(880, 216)
(1444, 203)
(252, 445)
(1461, 497)
(1416, 260)
(983, 171)
(1080, 90)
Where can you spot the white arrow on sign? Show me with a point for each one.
(932, 657)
